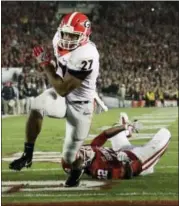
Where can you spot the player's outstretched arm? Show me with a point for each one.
(106, 134)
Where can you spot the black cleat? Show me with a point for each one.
(128, 171)
(74, 178)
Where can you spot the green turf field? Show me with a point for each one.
(161, 185)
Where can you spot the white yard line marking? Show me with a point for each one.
(32, 170)
(9, 159)
(165, 167)
(96, 194)
(51, 189)
(39, 153)
(158, 126)
(49, 185)
(8, 116)
(158, 117)
(164, 117)
(84, 183)
(167, 114)
(156, 121)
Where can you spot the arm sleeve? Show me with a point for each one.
(99, 140)
(79, 74)
(107, 134)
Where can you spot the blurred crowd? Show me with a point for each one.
(17, 96)
(137, 42)
(138, 48)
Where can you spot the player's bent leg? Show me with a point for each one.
(49, 103)
(74, 139)
(150, 169)
(33, 126)
(70, 149)
(119, 141)
(150, 153)
(77, 129)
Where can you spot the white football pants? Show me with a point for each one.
(78, 119)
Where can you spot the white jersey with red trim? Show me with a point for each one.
(85, 58)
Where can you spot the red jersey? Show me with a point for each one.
(102, 163)
(105, 164)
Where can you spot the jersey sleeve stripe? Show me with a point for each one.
(79, 74)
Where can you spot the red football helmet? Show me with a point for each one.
(86, 154)
(78, 28)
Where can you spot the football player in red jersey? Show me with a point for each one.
(123, 160)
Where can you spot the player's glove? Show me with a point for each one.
(42, 56)
(25, 160)
(135, 126)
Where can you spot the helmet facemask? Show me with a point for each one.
(86, 154)
(76, 38)
(84, 157)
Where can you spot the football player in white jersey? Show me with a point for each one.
(73, 78)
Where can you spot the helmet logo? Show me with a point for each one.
(87, 24)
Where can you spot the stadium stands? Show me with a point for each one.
(137, 43)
